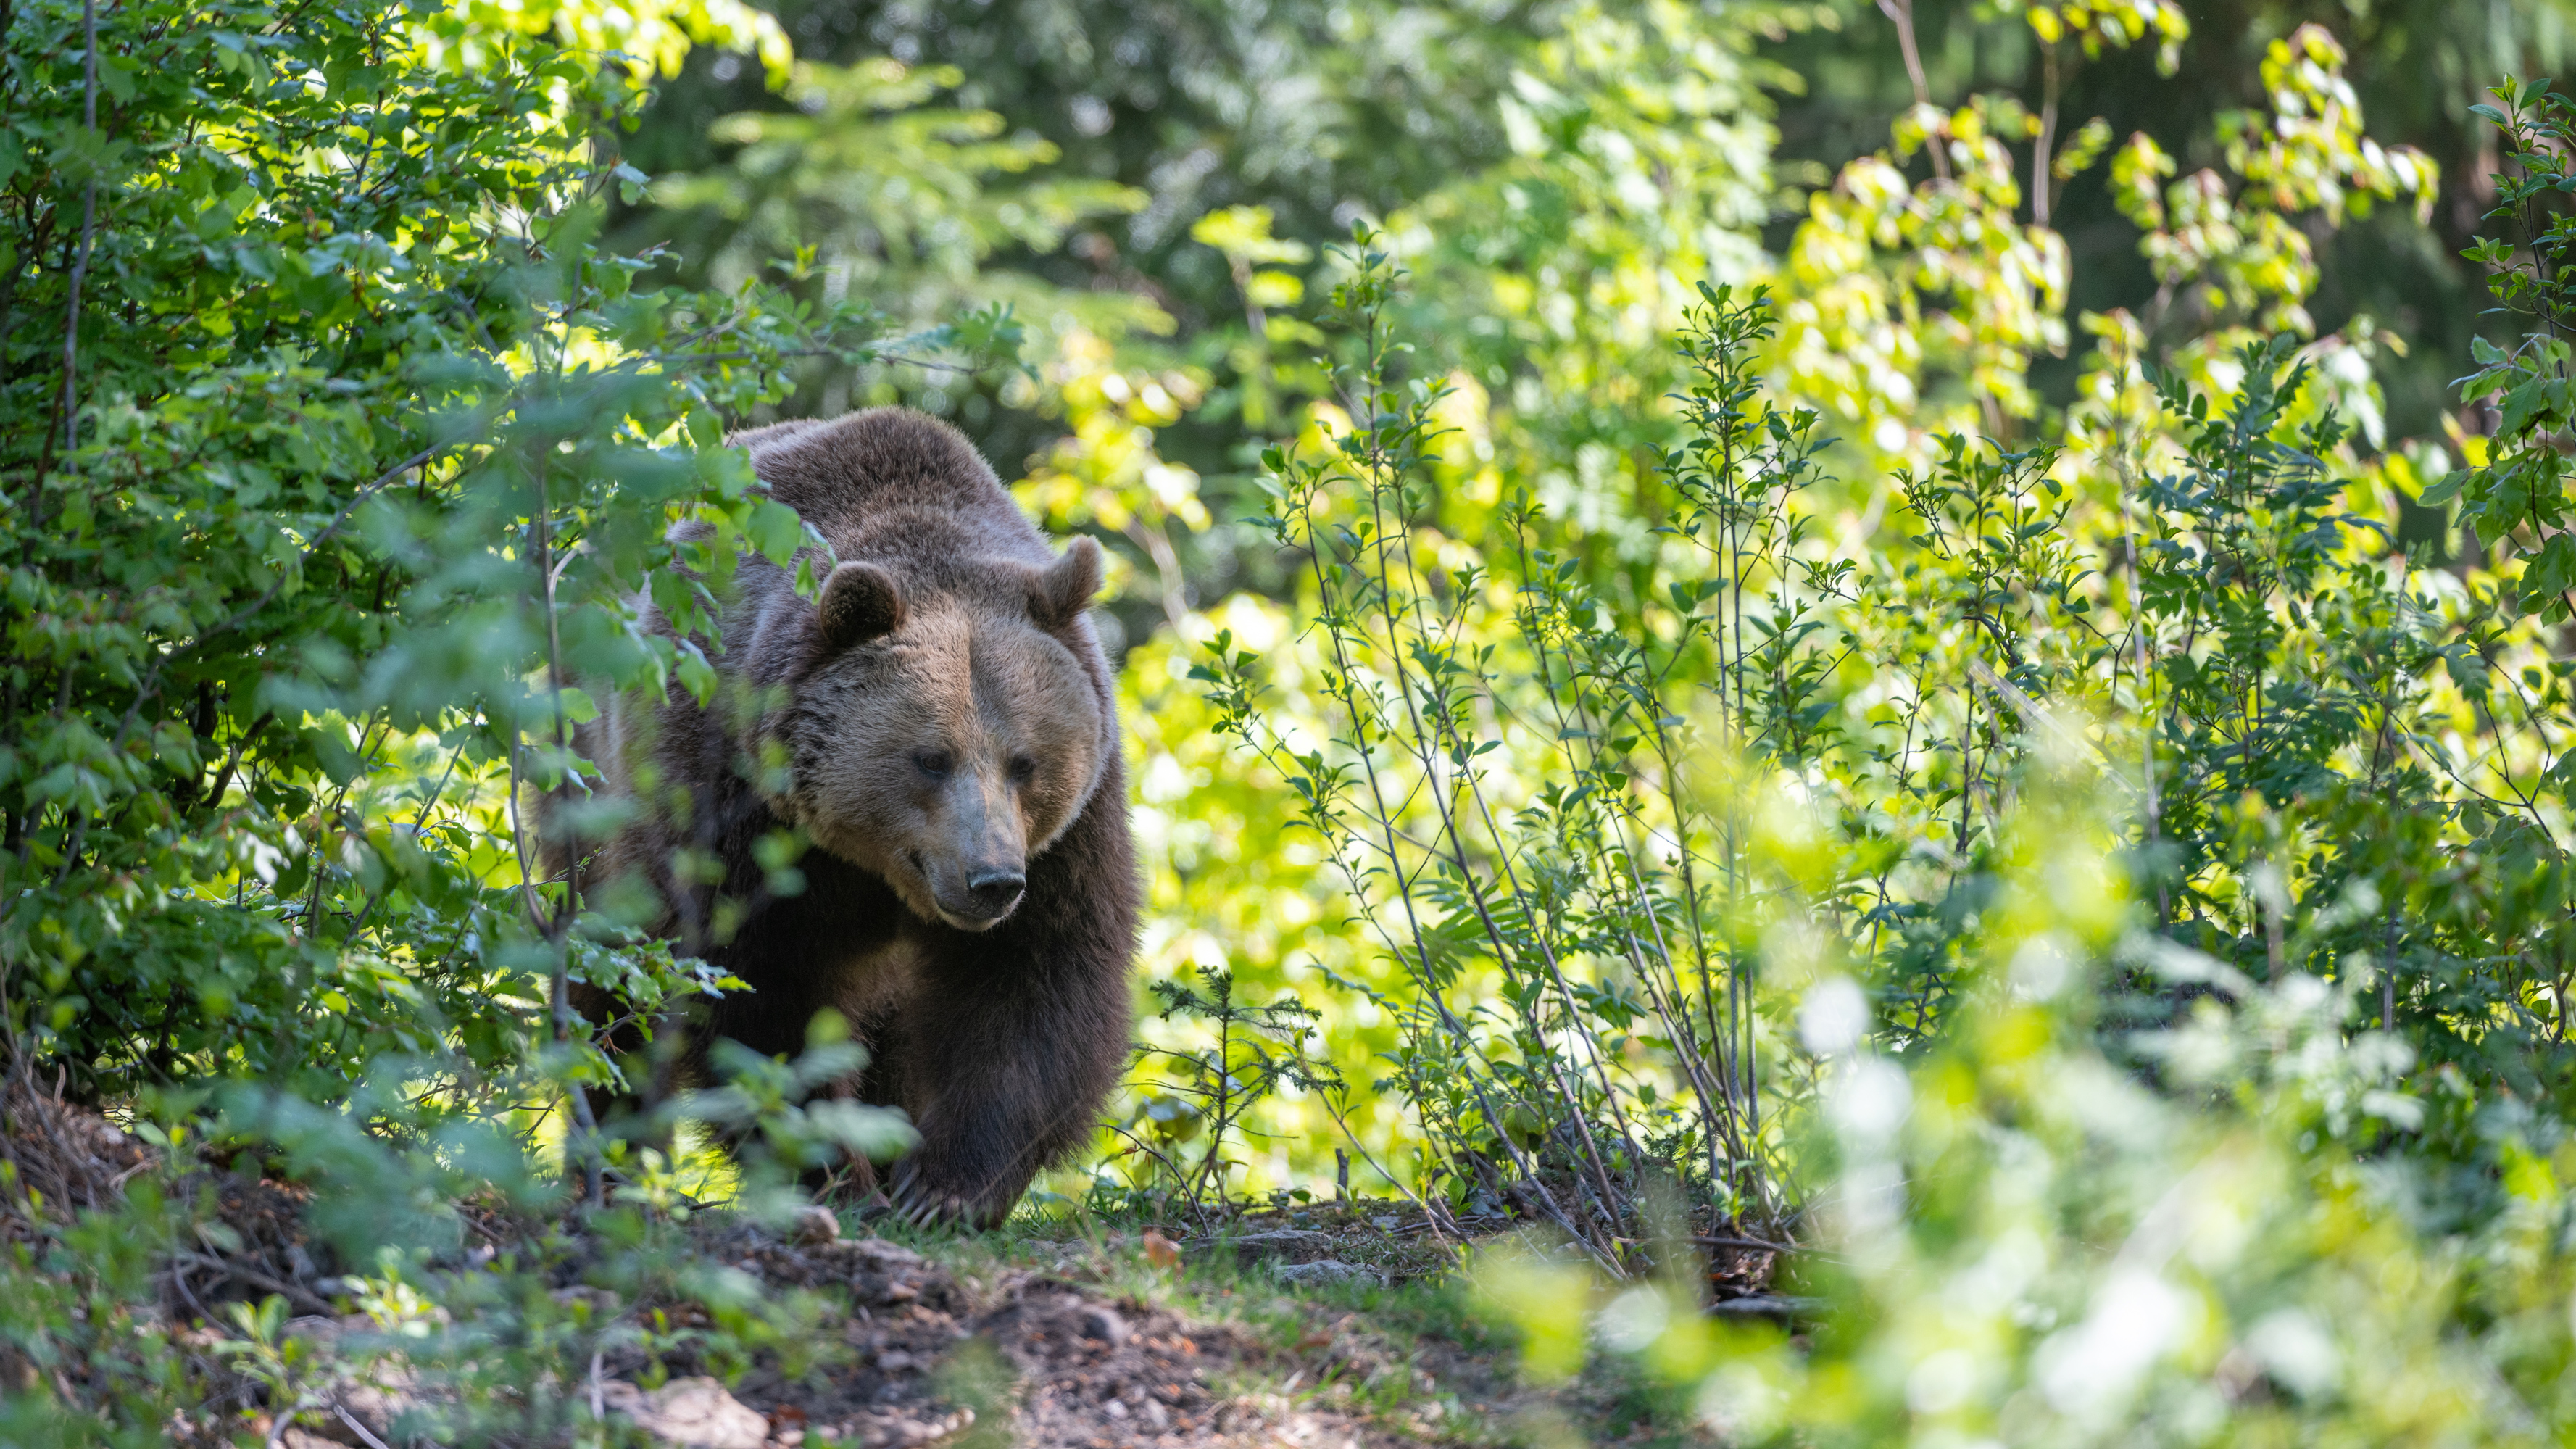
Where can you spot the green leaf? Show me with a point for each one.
(774, 530)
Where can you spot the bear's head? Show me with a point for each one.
(946, 737)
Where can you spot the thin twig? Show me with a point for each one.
(1902, 12)
(1721, 1240)
(370, 1440)
(302, 1296)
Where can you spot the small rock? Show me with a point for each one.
(1288, 1244)
(817, 1226)
(314, 1326)
(696, 1413)
(880, 1254)
(1324, 1271)
(375, 1402)
(898, 1430)
(1104, 1324)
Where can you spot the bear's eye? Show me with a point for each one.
(934, 763)
(1024, 769)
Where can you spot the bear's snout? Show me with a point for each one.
(972, 895)
(989, 896)
(997, 891)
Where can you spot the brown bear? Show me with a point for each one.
(942, 726)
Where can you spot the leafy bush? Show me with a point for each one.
(2026, 1242)
(350, 455)
(2175, 967)
(1586, 864)
(341, 459)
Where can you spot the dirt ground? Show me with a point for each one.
(936, 1353)
(1324, 1327)
(1271, 1333)
(1257, 1336)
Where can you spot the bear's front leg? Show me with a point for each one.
(1016, 1036)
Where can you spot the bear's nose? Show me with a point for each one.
(996, 891)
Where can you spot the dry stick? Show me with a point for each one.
(296, 1292)
(370, 1440)
(2039, 176)
(1139, 1144)
(1902, 12)
(1721, 1240)
(1429, 1215)
(1157, 544)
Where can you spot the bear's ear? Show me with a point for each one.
(860, 602)
(1063, 589)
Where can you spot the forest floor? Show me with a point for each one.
(1321, 1328)
(1345, 1324)
(1342, 1327)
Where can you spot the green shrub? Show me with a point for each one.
(2159, 863)
(339, 460)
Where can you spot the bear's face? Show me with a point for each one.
(945, 752)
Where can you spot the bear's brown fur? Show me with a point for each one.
(948, 727)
